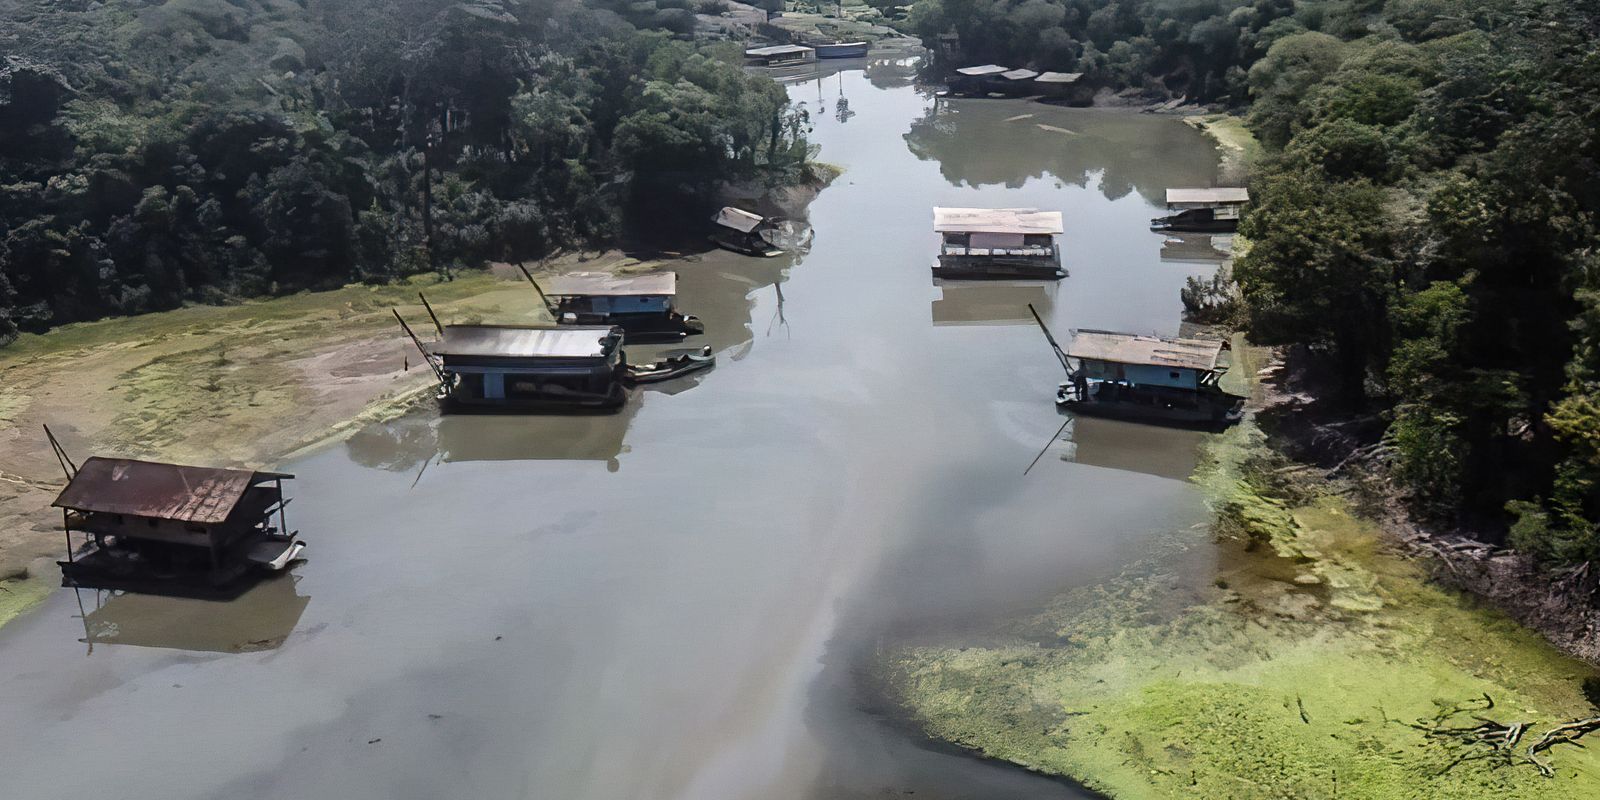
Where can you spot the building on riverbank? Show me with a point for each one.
(1064, 87)
(998, 243)
(158, 528)
(780, 55)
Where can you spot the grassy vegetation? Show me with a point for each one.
(20, 594)
(1238, 146)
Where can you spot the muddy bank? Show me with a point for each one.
(244, 385)
(1290, 650)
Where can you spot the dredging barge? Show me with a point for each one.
(998, 244)
(529, 367)
(169, 529)
(644, 306)
(1145, 378)
(1203, 210)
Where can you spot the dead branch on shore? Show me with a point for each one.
(1568, 733)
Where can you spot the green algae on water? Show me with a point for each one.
(1287, 653)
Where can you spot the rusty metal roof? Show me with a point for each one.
(205, 495)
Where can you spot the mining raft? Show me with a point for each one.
(169, 529)
(745, 232)
(998, 244)
(1145, 378)
(780, 55)
(528, 367)
(642, 305)
(1203, 210)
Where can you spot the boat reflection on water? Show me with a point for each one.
(1003, 303)
(511, 437)
(260, 619)
(1164, 452)
(1196, 248)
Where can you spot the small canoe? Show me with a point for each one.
(673, 365)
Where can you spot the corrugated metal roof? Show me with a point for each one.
(737, 219)
(205, 495)
(524, 341)
(986, 69)
(1058, 77)
(776, 50)
(996, 220)
(595, 284)
(1225, 194)
(1018, 74)
(1127, 348)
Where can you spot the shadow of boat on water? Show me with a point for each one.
(260, 619)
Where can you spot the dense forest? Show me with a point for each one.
(156, 153)
(1425, 225)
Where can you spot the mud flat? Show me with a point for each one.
(1287, 651)
(227, 385)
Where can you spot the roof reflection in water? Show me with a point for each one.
(1130, 446)
(991, 303)
(260, 619)
(1196, 248)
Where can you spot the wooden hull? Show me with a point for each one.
(643, 328)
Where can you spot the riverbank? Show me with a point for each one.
(1292, 650)
(242, 385)
(1235, 144)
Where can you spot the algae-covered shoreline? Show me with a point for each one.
(1290, 650)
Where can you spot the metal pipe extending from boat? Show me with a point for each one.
(542, 298)
(431, 315)
(61, 455)
(418, 342)
(1060, 355)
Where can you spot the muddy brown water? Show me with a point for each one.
(678, 601)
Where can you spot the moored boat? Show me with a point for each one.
(1203, 210)
(672, 365)
(841, 49)
(170, 529)
(1145, 378)
(642, 305)
(997, 244)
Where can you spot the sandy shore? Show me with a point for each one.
(247, 385)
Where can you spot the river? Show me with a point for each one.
(675, 602)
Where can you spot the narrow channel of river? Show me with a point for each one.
(675, 602)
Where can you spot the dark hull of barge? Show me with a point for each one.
(1206, 412)
(746, 245)
(608, 403)
(643, 328)
(109, 569)
(969, 268)
(1200, 220)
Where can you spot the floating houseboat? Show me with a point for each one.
(842, 50)
(1068, 87)
(744, 232)
(530, 367)
(998, 244)
(642, 305)
(201, 532)
(1203, 210)
(976, 80)
(1016, 82)
(1147, 378)
(780, 55)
